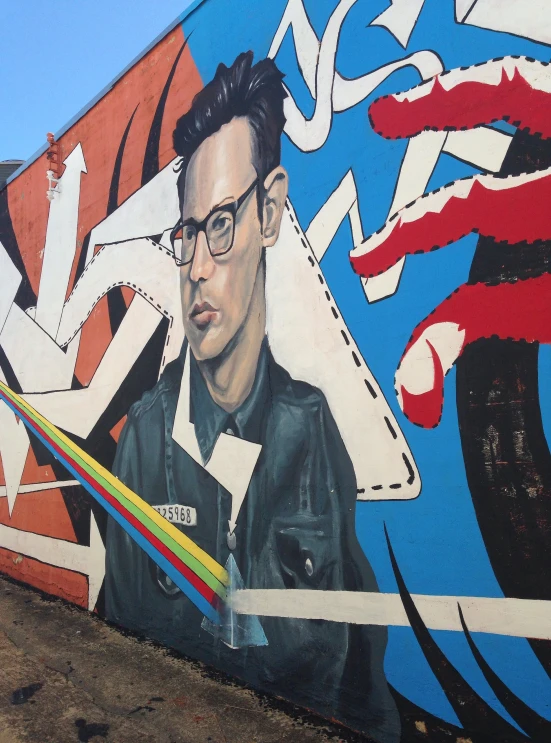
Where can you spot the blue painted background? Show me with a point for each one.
(435, 537)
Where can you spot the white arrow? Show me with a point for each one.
(232, 453)
(61, 243)
(40, 487)
(14, 448)
(400, 18)
(89, 561)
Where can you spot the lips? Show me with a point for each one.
(203, 314)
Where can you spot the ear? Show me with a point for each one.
(275, 194)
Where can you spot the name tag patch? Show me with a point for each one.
(176, 514)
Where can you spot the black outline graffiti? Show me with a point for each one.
(150, 166)
(25, 296)
(535, 726)
(115, 299)
(472, 711)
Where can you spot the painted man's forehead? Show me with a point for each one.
(220, 169)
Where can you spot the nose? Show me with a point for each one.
(202, 265)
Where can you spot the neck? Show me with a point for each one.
(230, 376)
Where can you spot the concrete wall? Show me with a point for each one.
(311, 449)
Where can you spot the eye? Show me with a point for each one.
(220, 223)
(189, 233)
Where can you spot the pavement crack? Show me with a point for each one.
(220, 726)
(13, 642)
(81, 688)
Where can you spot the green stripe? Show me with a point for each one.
(190, 560)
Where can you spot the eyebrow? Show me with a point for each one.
(225, 201)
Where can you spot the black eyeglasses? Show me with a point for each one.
(218, 226)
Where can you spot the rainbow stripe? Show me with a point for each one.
(201, 578)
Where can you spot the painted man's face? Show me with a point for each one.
(217, 289)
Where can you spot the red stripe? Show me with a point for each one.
(192, 577)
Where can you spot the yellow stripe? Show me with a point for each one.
(210, 564)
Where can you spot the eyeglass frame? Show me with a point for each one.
(233, 207)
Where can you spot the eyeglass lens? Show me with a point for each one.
(219, 233)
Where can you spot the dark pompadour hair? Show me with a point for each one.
(254, 91)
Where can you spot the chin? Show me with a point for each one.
(206, 346)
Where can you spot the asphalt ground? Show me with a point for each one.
(66, 676)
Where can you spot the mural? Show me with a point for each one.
(224, 355)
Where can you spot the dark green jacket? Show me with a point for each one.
(296, 529)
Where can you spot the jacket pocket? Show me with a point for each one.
(308, 552)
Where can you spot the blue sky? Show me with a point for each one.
(56, 56)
